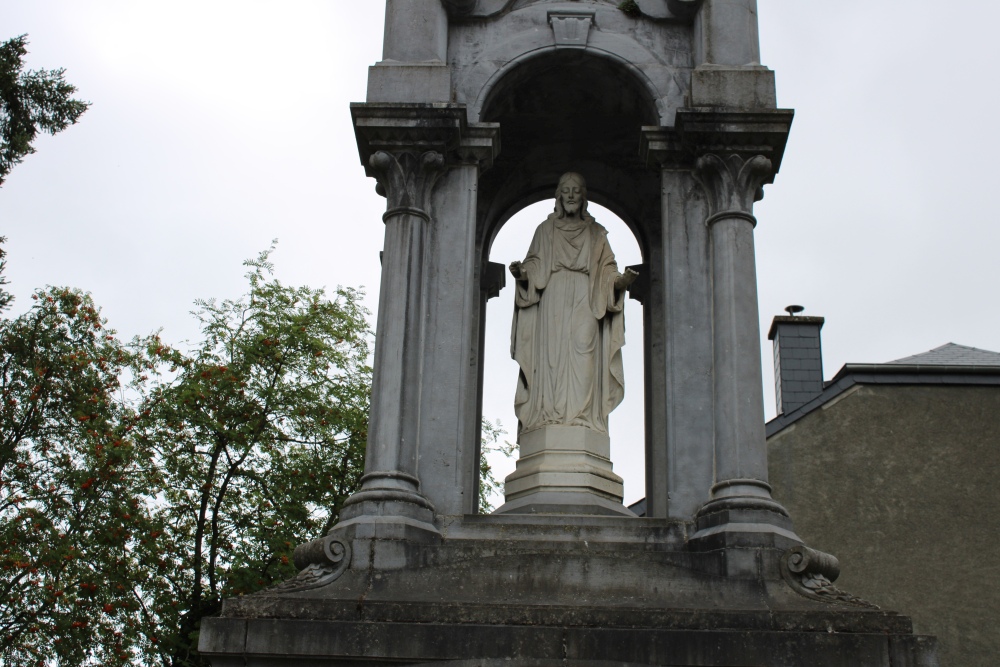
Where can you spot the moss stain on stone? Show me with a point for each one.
(630, 8)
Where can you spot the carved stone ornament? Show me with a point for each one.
(406, 180)
(571, 29)
(657, 10)
(811, 573)
(321, 562)
(732, 183)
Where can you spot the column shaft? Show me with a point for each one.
(392, 430)
(740, 452)
(391, 483)
(731, 184)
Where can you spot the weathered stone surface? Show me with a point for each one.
(409, 82)
(749, 87)
(558, 588)
(573, 459)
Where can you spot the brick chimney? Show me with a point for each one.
(798, 359)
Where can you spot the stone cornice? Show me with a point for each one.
(697, 132)
(420, 128)
(657, 10)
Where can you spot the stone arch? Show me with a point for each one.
(600, 106)
(569, 109)
(532, 52)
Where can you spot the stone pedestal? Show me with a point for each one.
(520, 591)
(564, 470)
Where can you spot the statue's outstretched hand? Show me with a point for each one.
(515, 270)
(625, 279)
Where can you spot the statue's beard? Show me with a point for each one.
(571, 209)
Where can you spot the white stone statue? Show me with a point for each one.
(568, 326)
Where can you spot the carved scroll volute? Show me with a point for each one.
(406, 180)
(732, 184)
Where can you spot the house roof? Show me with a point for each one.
(950, 364)
(951, 354)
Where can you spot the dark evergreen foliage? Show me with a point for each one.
(30, 101)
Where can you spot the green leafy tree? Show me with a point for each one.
(6, 298)
(140, 485)
(490, 486)
(32, 101)
(260, 434)
(70, 487)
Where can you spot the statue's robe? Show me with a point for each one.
(568, 328)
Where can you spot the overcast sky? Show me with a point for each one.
(217, 126)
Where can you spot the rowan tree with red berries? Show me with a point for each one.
(72, 496)
(140, 484)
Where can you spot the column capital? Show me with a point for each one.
(406, 179)
(732, 184)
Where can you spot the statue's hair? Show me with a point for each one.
(572, 176)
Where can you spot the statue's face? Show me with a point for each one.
(571, 196)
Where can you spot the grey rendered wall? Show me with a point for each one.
(900, 483)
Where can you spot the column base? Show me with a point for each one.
(389, 506)
(742, 513)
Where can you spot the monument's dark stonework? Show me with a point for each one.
(664, 108)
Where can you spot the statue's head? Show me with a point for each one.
(571, 195)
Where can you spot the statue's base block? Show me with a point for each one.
(547, 590)
(564, 470)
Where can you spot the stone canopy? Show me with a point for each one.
(475, 110)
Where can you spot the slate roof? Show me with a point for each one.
(950, 364)
(951, 354)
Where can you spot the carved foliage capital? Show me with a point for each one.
(406, 179)
(732, 183)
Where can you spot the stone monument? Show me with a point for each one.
(567, 335)
(664, 106)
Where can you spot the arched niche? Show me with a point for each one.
(569, 110)
(573, 110)
(500, 370)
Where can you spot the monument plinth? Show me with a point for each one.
(664, 108)
(564, 470)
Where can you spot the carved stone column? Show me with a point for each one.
(731, 170)
(421, 156)
(391, 481)
(731, 184)
(714, 164)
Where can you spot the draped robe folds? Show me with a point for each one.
(568, 328)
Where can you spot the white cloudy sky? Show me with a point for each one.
(217, 126)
